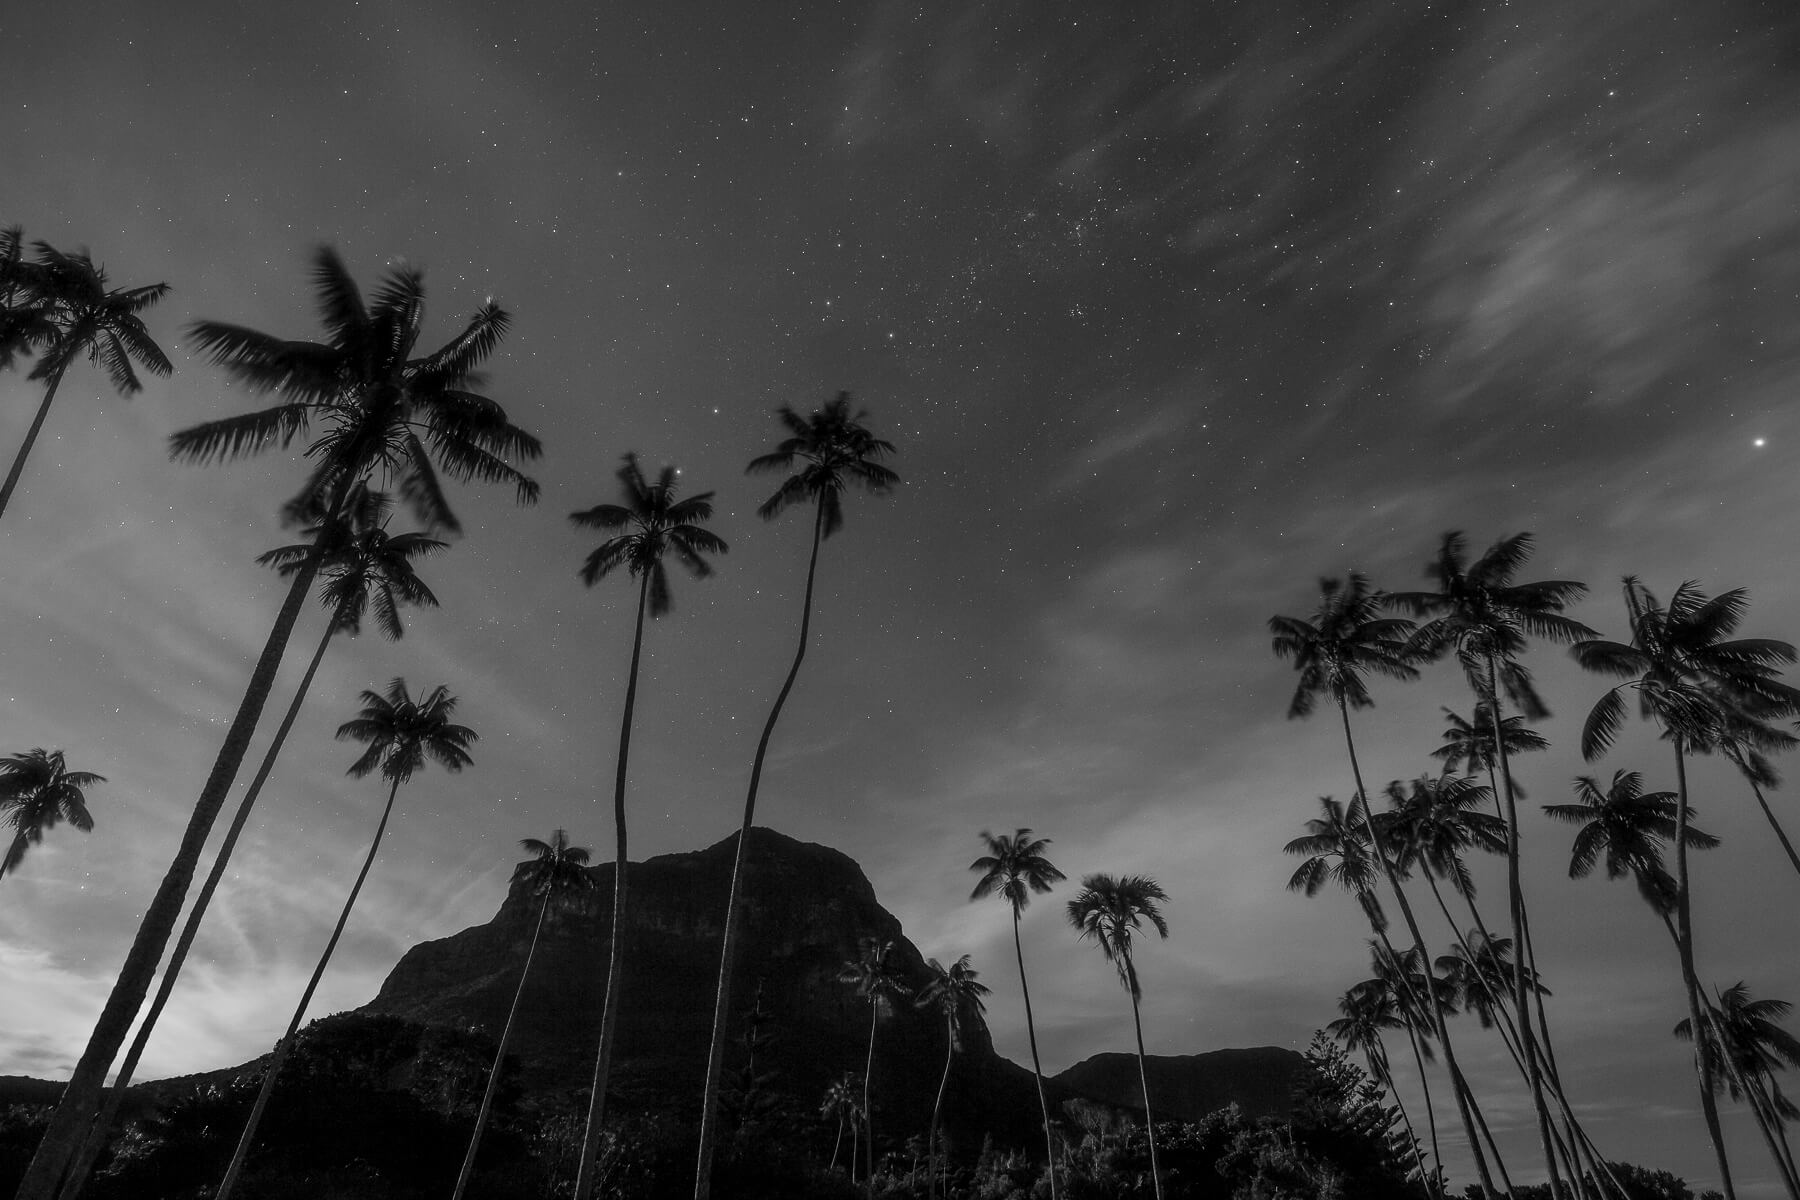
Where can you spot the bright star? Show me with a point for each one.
(1759, 443)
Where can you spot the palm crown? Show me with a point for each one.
(1749, 1031)
(1346, 639)
(1481, 615)
(660, 525)
(37, 792)
(1469, 741)
(874, 973)
(555, 866)
(1111, 911)
(1626, 828)
(1337, 851)
(1435, 821)
(364, 568)
(384, 408)
(401, 733)
(834, 450)
(1014, 867)
(954, 992)
(69, 312)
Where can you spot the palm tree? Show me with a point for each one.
(383, 412)
(659, 525)
(37, 792)
(1109, 912)
(1369, 1009)
(364, 570)
(1744, 747)
(70, 312)
(841, 1103)
(955, 992)
(1748, 1039)
(1014, 867)
(828, 453)
(1469, 746)
(26, 317)
(1701, 690)
(877, 978)
(399, 733)
(1479, 614)
(557, 869)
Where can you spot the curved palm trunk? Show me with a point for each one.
(715, 1055)
(1037, 1069)
(609, 1017)
(75, 1111)
(1382, 1073)
(1437, 1154)
(1431, 1005)
(931, 1143)
(868, 1113)
(1769, 814)
(31, 436)
(1137, 1025)
(14, 852)
(286, 1045)
(1684, 945)
(1753, 1095)
(96, 1138)
(836, 1144)
(493, 1086)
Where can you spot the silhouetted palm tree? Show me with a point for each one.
(383, 412)
(399, 734)
(828, 453)
(658, 525)
(1479, 614)
(26, 316)
(69, 313)
(365, 569)
(1014, 867)
(1700, 688)
(37, 793)
(877, 978)
(556, 869)
(1748, 1040)
(1368, 1010)
(1109, 912)
(1469, 746)
(954, 992)
(841, 1104)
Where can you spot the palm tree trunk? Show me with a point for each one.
(1143, 1076)
(286, 1045)
(96, 1138)
(1684, 945)
(1516, 908)
(868, 1109)
(75, 1111)
(1431, 1005)
(836, 1144)
(937, 1106)
(1753, 1097)
(1382, 1073)
(1437, 1154)
(609, 1016)
(1037, 1070)
(715, 1055)
(14, 852)
(1763, 803)
(493, 1086)
(31, 436)
(1487, 1135)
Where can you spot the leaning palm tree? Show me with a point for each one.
(71, 313)
(828, 453)
(1013, 868)
(954, 992)
(1749, 1041)
(1701, 688)
(556, 869)
(386, 415)
(365, 571)
(1368, 1011)
(877, 978)
(657, 525)
(399, 733)
(37, 793)
(1110, 911)
(1482, 616)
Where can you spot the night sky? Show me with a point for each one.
(1168, 315)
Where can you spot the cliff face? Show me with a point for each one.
(807, 907)
(1186, 1087)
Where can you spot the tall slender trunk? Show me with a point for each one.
(868, 1108)
(31, 436)
(1437, 1153)
(1753, 1096)
(836, 1144)
(75, 1111)
(1137, 1025)
(1768, 813)
(96, 1138)
(609, 1016)
(14, 852)
(1383, 1073)
(1515, 892)
(1430, 1004)
(1037, 1069)
(1684, 944)
(493, 1085)
(715, 1055)
(937, 1107)
(286, 1045)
